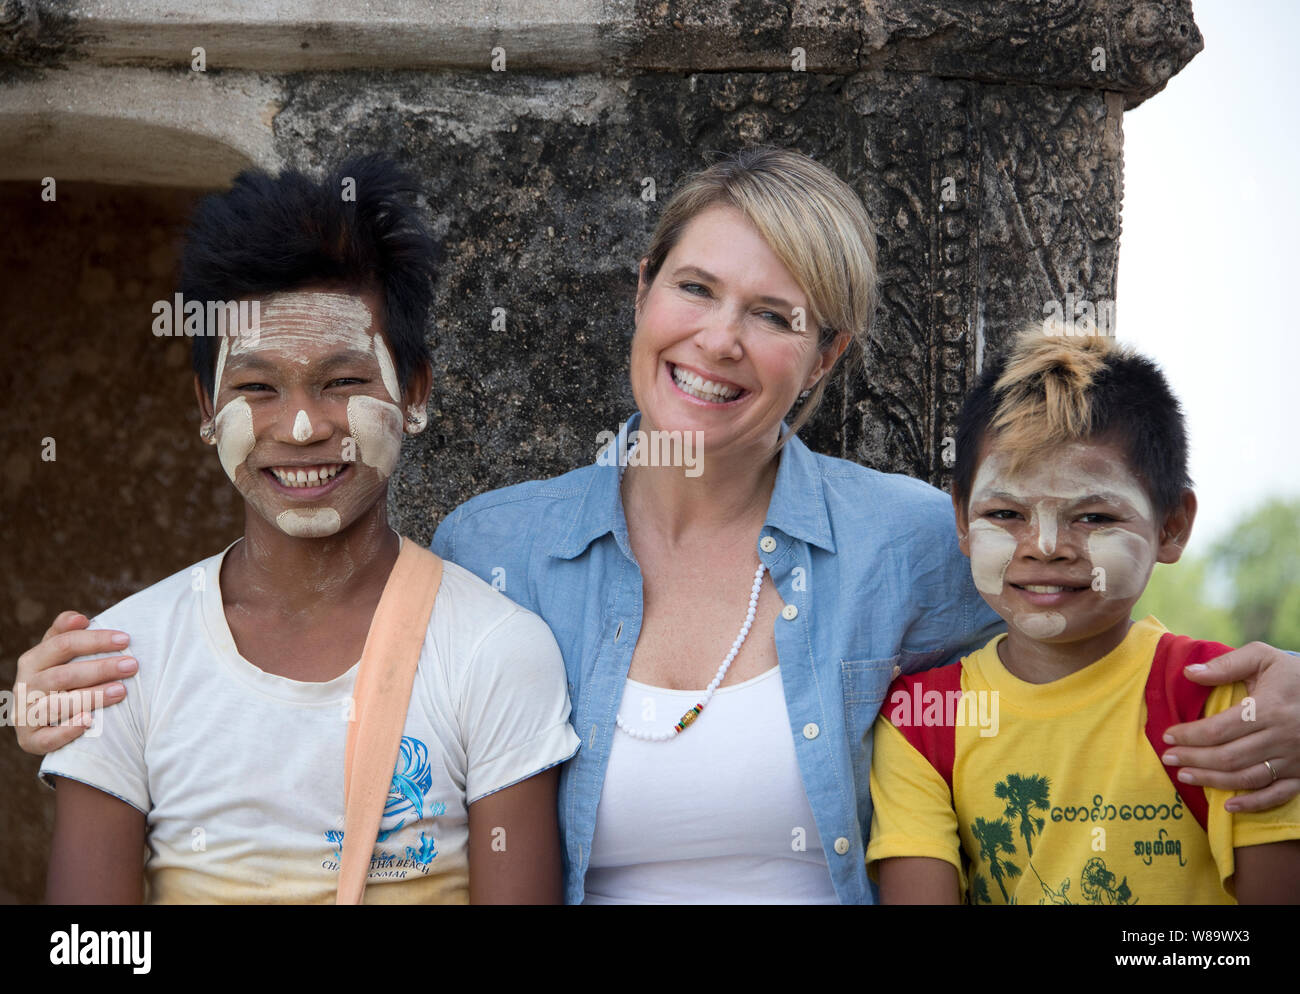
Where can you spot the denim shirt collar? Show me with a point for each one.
(798, 506)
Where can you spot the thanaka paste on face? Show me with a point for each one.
(991, 550)
(1125, 560)
(233, 430)
(301, 427)
(1048, 491)
(377, 427)
(294, 325)
(1044, 625)
(309, 522)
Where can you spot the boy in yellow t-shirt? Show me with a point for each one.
(1030, 772)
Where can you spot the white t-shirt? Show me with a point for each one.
(716, 815)
(240, 771)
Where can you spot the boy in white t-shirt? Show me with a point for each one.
(225, 760)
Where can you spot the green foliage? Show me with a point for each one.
(1261, 557)
(1258, 563)
(1177, 597)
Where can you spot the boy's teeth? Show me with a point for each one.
(313, 477)
(701, 388)
(1038, 588)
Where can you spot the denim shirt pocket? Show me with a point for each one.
(864, 682)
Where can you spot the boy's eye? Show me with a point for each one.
(343, 381)
(1097, 518)
(257, 387)
(1002, 514)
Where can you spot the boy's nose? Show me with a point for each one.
(301, 427)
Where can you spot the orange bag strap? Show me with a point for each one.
(383, 690)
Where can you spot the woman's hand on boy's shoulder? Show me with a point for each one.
(54, 698)
(1228, 750)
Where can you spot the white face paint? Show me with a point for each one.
(234, 435)
(377, 427)
(1077, 520)
(309, 522)
(991, 551)
(1046, 625)
(299, 328)
(1125, 560)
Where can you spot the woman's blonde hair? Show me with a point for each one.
(814, 223)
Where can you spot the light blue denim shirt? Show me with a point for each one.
(869, 560)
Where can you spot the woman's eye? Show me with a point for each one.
(695, 289)
(774, 318)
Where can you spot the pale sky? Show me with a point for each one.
(1209, 250)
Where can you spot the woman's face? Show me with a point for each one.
(725, 341)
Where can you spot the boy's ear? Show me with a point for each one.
(205, 409)
(963, 526)
(1177, 530)
(419, 387)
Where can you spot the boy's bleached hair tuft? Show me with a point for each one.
(1045, 396)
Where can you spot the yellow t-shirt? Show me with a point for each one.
(1066, 802)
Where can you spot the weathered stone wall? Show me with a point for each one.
(984, 138)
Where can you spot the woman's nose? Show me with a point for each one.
(721, 335)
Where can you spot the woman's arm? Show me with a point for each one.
(1227, 750)
(514, 844)
(57, 697)
(95, 857)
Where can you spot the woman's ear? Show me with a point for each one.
(1177, 529)
(827, 358)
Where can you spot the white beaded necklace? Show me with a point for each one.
(694, 712)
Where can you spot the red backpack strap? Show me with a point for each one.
(1173, 699)
(936, 741)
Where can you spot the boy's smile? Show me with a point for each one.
(308, 425)
(1064, 548)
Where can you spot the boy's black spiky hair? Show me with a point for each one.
(274, 233)
(1047, 391)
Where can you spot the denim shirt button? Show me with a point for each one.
(841, 845)
(810, 730)
(767, 543)
(789, 612)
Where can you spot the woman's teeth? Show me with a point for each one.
(702, 389)
(311, 477)
(1038, 588)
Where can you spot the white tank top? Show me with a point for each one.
(717, 815)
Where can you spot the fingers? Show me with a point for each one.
(40, 741)
(1241, 756)
(1270, 797)
(1215, 730)
(1241, 664)
(84, 675)
(58, 649)
(66, 622)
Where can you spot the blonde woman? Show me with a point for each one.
(730, 623)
